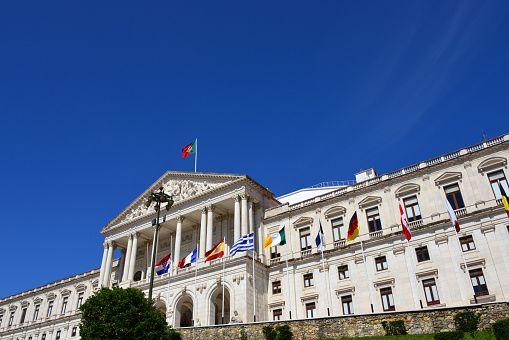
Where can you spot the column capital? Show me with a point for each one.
(112, 244)
(211, 207)
(204, 210)
(236, 197)
(136, 234)
(180, 218)
(244, 196)
(106, 245)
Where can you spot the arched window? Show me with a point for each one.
(137, 276)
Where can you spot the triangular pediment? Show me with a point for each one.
(302, 221)
(448, 177)
(492, 163)
(370, 201)
(182, 186)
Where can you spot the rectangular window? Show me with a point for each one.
(347, 303)
(277, 314)
(58, 335)
(478, 282)
(431, 292)
(50, 309)
(305, 239)
(74, 331)
(11, 319)
(387, 299)
(496, 178)
(310, 310)
(64, 304)
(343, 272)
(276, 287)
(308, 280)
(453, 194)
(23, 315)
(467, 243)
(338, 229)
(422, 254)
(381, 263)
(374, 222)
(1, 317)
(80, 299)
(36, 312)
(44, 337)
(412, 209)
(275, 252)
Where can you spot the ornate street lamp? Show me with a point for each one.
(158, 197)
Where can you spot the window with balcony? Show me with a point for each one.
(496, 178)
(11, 319)
(422, 254)
(310, 310)
(467, 243)
(74, 331)
(275, 252)
(478, 282)
(276, 287)
(347, 303)
(374, 222)
(80, 299)
(413, 212)
(50, 309)
(23, 315)
(36, 311)
(64, 304)
(453, 194)
(305, 239)
(338, 229)
(381, 263)
(277, 314)
(387, 299)
(308, 280)
(431, 292)
(343, 272)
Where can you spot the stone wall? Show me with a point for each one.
(417, 322)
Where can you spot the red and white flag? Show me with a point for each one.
(452, 215)
(404, 223)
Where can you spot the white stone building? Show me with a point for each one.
(385, 274)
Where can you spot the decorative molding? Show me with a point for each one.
(358, 258)
(309, 297)
(326, 265)
(485, 229)
(201, 288)
(475, 262)
(302, 222)
(370, 201)
(24, 303)
(238, 278)
(425, 178)
(467, 165)
(492, 164)
(407, 189)
(210, 208)
(448, 177)
(180, 219)
(51, 296)
(65, 292)
(37, 300)
(345, 290)
(335, 211)
(80, 287)
(398, 249)
(441, 239)
(388, 281)
(275, 304)
(431, 272)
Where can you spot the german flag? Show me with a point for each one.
(353, 229)
(215, 252)
(504, 199)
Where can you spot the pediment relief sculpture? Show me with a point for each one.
(407, 189)
(492, 163)
(370, 201)
(448, 177)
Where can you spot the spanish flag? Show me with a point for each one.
(505, 201)
(215, 252)
(353, 229)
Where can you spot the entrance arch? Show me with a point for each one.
(184, 311)
(216, 303)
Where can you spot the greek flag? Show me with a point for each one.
(244, 243)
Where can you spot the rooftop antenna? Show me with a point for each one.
(483, 135)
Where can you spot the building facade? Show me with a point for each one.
(378, 271)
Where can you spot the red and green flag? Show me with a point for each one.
(189, 149)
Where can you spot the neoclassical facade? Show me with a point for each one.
(377, 272)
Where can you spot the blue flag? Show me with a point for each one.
(244, 243)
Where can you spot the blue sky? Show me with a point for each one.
(98, 98)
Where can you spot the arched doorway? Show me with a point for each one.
(184, 312)
(161, 306)
(216, 304)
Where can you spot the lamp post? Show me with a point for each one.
(158, 197)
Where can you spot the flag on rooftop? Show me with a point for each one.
(353, 228)
(504, 199)
(215, 252)
(320, 238)
(404, 223)
(189, 149)
(452, 215)
(244, 243)
(162, 266)
(191, 258)
(275, 239)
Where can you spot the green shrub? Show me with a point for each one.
(283, 332)
(269, 333)
(501, 329)
(456, 335)
(394, 327)
(243, 335)
(467, 322)
(174, 335)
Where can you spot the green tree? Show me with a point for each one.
(121, 314)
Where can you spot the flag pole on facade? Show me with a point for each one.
(456, 224)
(222, 306)
(254, 288)
(246, 243)
(195, 308)
(196, 154)
(320, 243)
(367, 278)
(190, 149)
(288, 282)
(408, 236)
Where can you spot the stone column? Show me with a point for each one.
(132, 262)
(178, 241)
(103, 263)
(127, 265)
(121, 264)
(251, 215)
(203, 232)
(236, 219)
(244, 221)
(210, 226)
(109, 261)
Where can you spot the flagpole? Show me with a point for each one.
(195, 296)
(169, 278)
(415, 275)
(222, 307)
(288, 281)
(326, 286)
(465, 264)
(254, 286)
(367, 278)
(196, 154)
